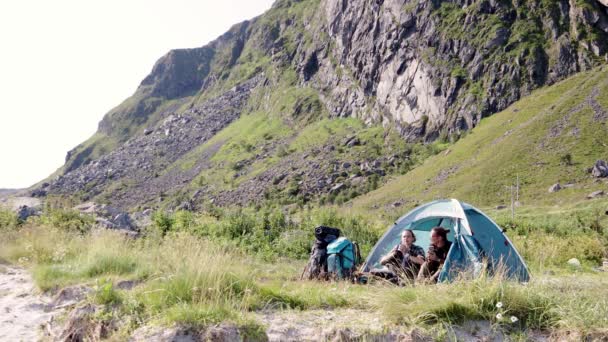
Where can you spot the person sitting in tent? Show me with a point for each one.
(405, 259)
(436, 255)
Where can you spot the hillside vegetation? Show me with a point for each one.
(552, 136)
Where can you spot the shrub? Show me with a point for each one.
(104, 293)
(67, 220)
(8, 220)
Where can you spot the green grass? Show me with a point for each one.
(190, 280)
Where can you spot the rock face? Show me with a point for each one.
(423, 68)
(422, 61)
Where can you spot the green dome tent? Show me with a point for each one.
(476, 239)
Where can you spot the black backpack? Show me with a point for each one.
(317, 267)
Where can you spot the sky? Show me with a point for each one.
(65, 63)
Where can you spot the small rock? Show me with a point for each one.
(600, 169)
(352, 141)
(574, 262)
(555, 187)
(380, 172)
(279, 178)
(595, 194)
(397, 204)
(357, 180)
(346, 165)
(147, 131)
(337, 188)
(501, 207)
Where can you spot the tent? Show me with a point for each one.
(476, 240)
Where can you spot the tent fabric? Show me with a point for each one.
(476, 240)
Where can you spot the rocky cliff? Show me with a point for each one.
(423, 70)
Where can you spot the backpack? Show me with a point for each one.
(343, 256)
(332, 256)
(317, 263)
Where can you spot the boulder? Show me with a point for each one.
(104, 223)
(123, 221)
(143, 218)
(555, 187)
(600, 169)
(38, 193)
(23, 212)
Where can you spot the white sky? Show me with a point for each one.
(65, 63)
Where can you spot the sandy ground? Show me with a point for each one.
(22, 312)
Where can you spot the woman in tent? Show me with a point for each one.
(436, 255)
(405, 259)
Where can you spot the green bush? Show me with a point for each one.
(8, 220)
(67, 220)
(105, 294)
(267, 232)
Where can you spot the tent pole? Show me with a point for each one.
(512, 204)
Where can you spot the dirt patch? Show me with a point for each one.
(22, 312)
(328, 325)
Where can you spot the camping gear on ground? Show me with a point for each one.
(341, 258)
(317, 263)
(478, 242)
(331, 256)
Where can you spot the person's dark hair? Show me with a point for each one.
(411, 231)
(441, 232)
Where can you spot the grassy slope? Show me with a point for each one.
(515, 142)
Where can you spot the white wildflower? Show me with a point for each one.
(499, 305)
(514, 319)
(499, 316)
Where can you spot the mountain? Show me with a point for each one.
(323, 99)
(554, 136)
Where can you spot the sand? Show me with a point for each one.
(22, 311)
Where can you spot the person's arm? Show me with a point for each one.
(418, 258)
(435, 276)
(390, 256)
